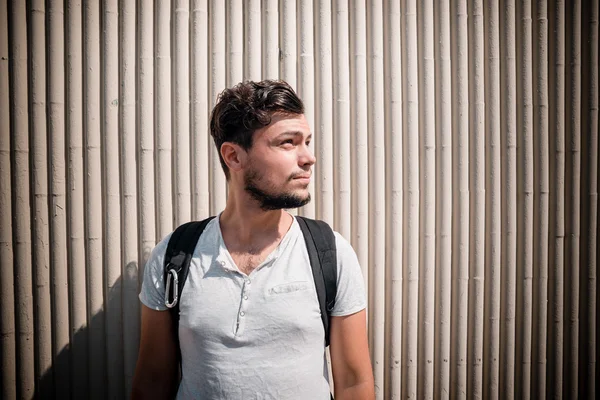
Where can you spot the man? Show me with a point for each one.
(250, 324)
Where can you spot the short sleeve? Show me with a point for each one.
(350, 297)
(152, 294)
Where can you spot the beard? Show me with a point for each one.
(271, 199)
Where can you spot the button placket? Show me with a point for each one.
(241, 317)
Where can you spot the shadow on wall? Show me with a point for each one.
(100, 359)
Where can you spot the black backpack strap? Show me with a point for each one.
(177, 265)
(320, 243)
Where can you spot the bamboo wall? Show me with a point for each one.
(457, 146)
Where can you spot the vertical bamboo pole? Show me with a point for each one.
(508, 195)
(525, 199)
(287, 41)
(491, 352)
(270, 50)
(130, 223)
(145, 117)
(541, 206)
(40, 245)
(341, 116)
(557, 204)
(324, 109)
(590, 219)
(21, 200)
(477, 202)
(218, 191)
(587, 347)
(359, 145)
(306, 82)
(323, 125)
(252, 42)
(461, 199)
(376, 189)
(233, 18)
(201, 140)
(573, 199)
(427, 184)
(525, 212)
(58, 205)
(411, 201)
(235, 41)
(75, 203)
(444, 185)
(8, 382)
(112, 223)
(181, 108)
(162, 130)
(94, 201)
(287, 46)
(394, 237)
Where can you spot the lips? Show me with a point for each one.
(305, 178)
(301, 176)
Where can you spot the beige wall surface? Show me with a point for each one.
(457, 146)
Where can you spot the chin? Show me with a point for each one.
(302, 193)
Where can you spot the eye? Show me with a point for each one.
(287, 142)
(308, 143)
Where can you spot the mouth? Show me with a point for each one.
(304, 178)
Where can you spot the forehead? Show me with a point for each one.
(284, 123)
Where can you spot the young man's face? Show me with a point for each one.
(279, 164)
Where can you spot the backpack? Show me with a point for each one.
(320, 243)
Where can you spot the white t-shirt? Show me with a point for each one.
(257, 336)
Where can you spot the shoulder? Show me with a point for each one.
(351, 295)
(152, 290)
(158, 252)
(347, 259)
(342, 244)
(209, 233)
(322, 231)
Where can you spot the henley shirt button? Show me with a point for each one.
(242, 313)
(245, 297)
(248, 281)
(222, 263)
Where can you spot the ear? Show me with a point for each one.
(233, 155)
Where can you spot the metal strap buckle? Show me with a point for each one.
(172, 275)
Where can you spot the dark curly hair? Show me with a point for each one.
(247, 107)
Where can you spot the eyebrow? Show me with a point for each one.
(293, 133)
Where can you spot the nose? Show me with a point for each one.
(306, 157)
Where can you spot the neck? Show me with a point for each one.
(245, 222)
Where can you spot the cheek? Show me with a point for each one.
(281, 163)
(274, 165)
(267, 171)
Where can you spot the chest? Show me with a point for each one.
(248, 259)
(279, 298)
(247, 262)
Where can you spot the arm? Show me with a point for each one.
(350, 361)
(157, 370)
